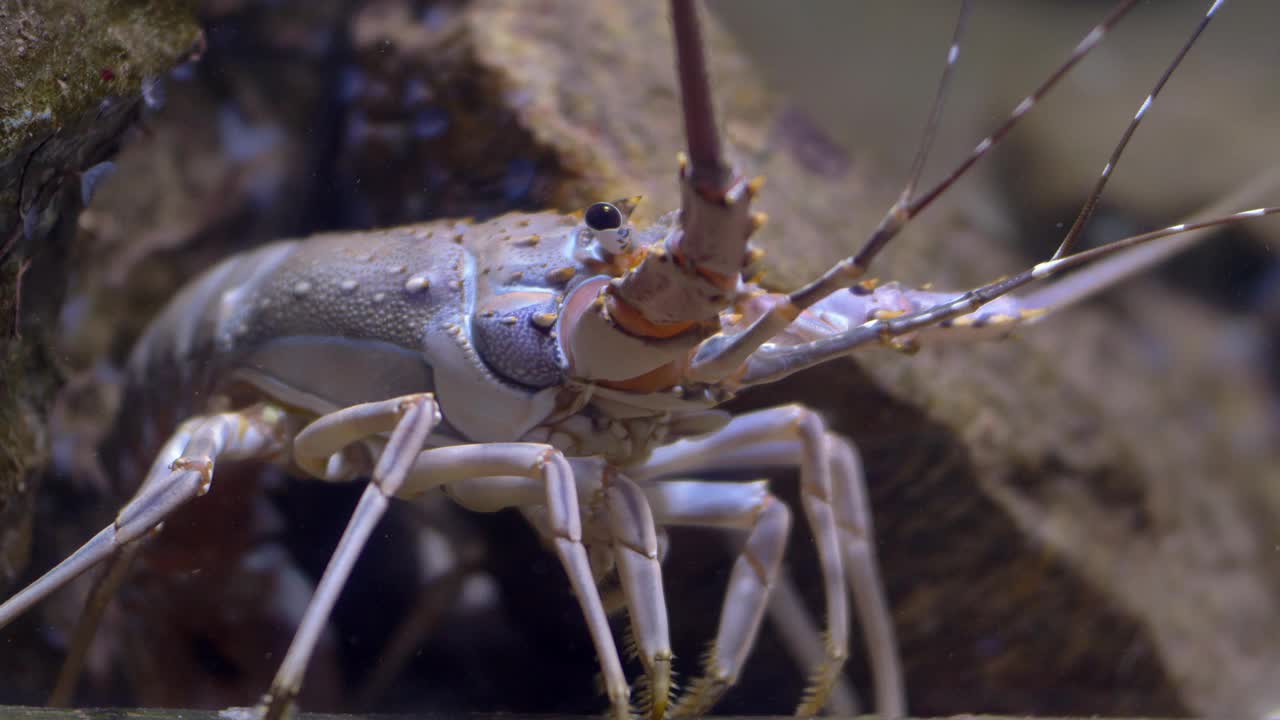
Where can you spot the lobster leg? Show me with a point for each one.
(184, 471)
(100, 595)
(731, 505)
(853, 513)
(494, 476)
(834, 500)
(410, 420)
(794, 626)
(635, 548)
(793, 623)
(450, 567)
(109, 582)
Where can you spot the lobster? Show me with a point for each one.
(550, 362)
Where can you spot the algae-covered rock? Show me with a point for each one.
(72, 75)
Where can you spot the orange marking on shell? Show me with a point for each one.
(724, 282)
(618, 265)
(562, 275)
(660, 378)
(634, 322)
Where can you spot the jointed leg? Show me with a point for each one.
(100, 596)
(856, 533)
(182, 471)
(624, 538)
(635, 549)
(108, 583)
(800, 429)
(490, 477)
(793, 436)
(795, 628)
(410, 420)
(747, 506)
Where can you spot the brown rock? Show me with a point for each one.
(71, 77)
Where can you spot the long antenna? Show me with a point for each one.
(776, 363)
(1089, 42)
(854, 267)
(1077, 228)
(710, 173)
(939, 100)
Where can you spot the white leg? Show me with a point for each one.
(108, 583)
(449, 564)
(622, 536)
(183, 471)
(834, 500)
(598, 539)
(95, 605)
(627, 540)
(635, 549)
(747, 506)
(491, 477)
(410, 420)
(794, 626)
(864, 577)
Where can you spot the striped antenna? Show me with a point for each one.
(980, 296)
(939, 100)
(852, 268)
(774, 363)
(1089, 42)
(1077, 228)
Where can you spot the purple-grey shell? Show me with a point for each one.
(344, 318)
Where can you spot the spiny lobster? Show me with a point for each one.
(560, 363)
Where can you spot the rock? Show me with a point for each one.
(71, 77)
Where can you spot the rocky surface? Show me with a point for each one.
(73, 76)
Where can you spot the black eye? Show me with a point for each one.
(604, 216)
